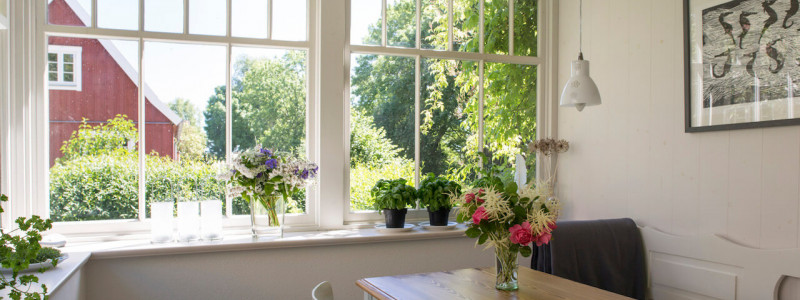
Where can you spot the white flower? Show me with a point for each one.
(497, 208)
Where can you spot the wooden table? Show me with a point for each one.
(478, 283)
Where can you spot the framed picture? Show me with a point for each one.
(742, 63)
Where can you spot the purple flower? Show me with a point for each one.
(259, 175)
(305, 174)
(271, 163)
(266, 152)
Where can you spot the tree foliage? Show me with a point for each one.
(383, 86)
(269, 105)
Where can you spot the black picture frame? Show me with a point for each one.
(688, 103)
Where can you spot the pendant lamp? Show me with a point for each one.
(580, 90)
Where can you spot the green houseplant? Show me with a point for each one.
(435, 193)
(393, 197)
(19, 250)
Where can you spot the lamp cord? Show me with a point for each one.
(580, 33)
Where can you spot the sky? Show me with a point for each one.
(192, 71)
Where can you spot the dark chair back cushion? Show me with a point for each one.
(607, 254)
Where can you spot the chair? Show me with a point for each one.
(607, 254)
(323, 291)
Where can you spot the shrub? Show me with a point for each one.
(363, 178)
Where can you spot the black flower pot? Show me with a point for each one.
(395, 218)
(439, 217)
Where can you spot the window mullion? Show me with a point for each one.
(185, 16)
(142, 132)
(228, 123)
(269, 19)
(450, 25)
(481, 66)
(94, 14)
(417, 96)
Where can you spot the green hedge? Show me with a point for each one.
(104, 187)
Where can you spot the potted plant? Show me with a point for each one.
(19, 250)
(393, 197)
(435, 193)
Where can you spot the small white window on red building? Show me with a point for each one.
(64, 67)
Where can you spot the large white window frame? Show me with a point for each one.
(544, 61)
(24, 131)
(33, 197)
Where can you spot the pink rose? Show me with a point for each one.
(521, 234)
(480, 214)
(470, 197)
(546, 235)
(543, 238)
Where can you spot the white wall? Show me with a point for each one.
(630, 156)
(275, 273)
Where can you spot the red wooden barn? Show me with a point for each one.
(91, 79)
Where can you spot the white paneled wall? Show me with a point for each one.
(630, 156)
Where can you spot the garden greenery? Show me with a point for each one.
(20, 249)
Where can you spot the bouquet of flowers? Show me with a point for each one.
(259, 175)
(509, 219)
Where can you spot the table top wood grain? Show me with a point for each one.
(478, 283)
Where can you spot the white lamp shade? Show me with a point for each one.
(580, 90)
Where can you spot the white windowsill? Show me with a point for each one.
(244, 242)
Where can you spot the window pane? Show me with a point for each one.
(269, 103)
(509, 113)
(496, 26)
(68, 77)
(289, 20)
(466, 19)
(249, 18)
(68, 68)
(207, 17)
(69, 58)
(94, 153)
(449, 119)
(434, 24)
(365, 22)
(52, 57)
(52, 76)
(52, 67)
(401, 26)
(72, 13)
(163, 15)
(118, 14)
(381, 124)
(526, 28)
(186, 80)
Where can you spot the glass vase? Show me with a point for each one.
(265, 212)
(507, 266)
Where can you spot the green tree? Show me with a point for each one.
(185, 109)
(269, 105)
(383, 86)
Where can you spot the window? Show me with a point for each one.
(165, 103)
(168, 90)
(433, 83)
(64, 67)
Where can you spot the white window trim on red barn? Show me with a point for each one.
(60, 83)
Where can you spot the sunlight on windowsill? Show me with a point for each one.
(142, 246)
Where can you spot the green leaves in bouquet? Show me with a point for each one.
(473, 232)
(18, 251)
(392, 194)
(526, 251)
